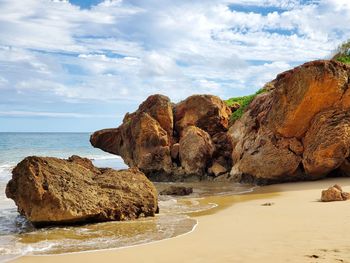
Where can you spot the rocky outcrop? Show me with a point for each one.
(50, 191)
(334, 193)
(298, 129)
(172, 142)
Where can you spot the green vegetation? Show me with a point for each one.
(344, 59)
(243, 103)
(343, 53)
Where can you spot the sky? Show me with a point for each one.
(79, 66)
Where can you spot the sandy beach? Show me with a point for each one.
(296, 227)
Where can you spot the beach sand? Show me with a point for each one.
(296, 227)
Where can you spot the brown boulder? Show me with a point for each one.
(141, 141)
(207, 112)
(259, 156)
(334, 193)
(56, 191)
(327, 142)
(159, 108)
(298, 129)
(148, 140)
(196, 150)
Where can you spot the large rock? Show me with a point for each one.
(56, 191)
(196, 150)
(207, 112)
(149, 140)
(141, 142)
(298, 129)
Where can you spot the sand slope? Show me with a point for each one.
(296, 228)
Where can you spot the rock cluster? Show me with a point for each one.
(297, 130)
(334, 193)
(173, 142)
(55, 191)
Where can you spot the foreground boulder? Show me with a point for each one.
(334, 193)
(172, 142)
(55, 191)
(299, 129)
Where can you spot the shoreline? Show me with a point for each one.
(295, 228)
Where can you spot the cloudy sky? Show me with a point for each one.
(79, 65)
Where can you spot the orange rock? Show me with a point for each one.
(327, 142)
(299, 129)
(303, 92)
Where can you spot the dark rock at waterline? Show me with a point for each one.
(177, 190)
(51, 191)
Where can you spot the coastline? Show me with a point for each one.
(295, 228)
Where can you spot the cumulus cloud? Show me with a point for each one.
(125, 50)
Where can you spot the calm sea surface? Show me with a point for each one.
(18, 237)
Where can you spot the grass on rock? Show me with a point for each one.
(243, 102)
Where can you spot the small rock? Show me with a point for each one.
(334, 193)
(267, 204)
(177, 190)
(217, 169)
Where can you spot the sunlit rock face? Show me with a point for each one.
(298, 130)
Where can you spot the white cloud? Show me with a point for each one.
(126, 50)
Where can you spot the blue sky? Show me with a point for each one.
(81, 65)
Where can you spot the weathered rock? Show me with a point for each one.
(196, 150)
(148, 140)
(299, 129)
(327, 142)
(303, 92)
(334, 193)
(141, 142)
(207, 112)
(177, 190)
(56, 191)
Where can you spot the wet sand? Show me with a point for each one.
(293, 227)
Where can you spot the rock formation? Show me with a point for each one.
(55, 191)
(298, 130)
(172, 142)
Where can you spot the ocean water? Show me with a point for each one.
(18, 237)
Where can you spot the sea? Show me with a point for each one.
(18, 237)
